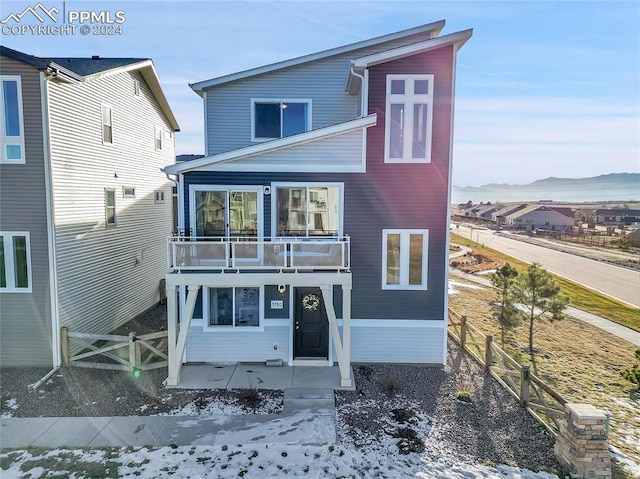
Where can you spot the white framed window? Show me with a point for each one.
(404, 258)
(158, 138)
(110, 207)
(11, 120)
(158, 196)
(128, 191)
(136, 87)
(279, 118)
(408, 119)
(234, 308)
(15, 262)
(107, 124)
(312, 210)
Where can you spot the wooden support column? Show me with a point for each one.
(172, 332)
(343, 360)
(346, 333)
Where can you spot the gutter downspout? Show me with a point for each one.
(178, 183)
(363, 92)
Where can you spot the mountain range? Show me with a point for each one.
(611, 187)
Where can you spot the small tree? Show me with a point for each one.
(633, 373)
(538, 293)
(504, 280)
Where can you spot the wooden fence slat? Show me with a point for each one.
(98, 337)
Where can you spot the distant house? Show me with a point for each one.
(499, 216)
(537, 216)
(616, 216)
(84, 205)
(316, 229)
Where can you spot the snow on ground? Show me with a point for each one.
(212, 408)
(11, 404)
(456, 284)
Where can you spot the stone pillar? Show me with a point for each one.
(582, 443)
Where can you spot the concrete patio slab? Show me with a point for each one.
(261, 377)
(19, 432)
(72, 432)
(206, 376)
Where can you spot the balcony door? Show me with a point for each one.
(226, 212)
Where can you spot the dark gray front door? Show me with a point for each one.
(311, 333)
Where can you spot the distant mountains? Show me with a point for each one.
(611, 187)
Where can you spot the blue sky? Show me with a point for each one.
(543, 88)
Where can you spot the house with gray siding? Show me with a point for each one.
(315, 229)
(83, 200)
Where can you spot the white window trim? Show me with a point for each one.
(11, 140)
(160, 193)
(408, 99)
(227, 329)
(277, 100)
(115, 209)
(102, 106)
(136, 87)
(158, 134)
(125, 194)
(9, 262)
(405, 235)
(274, 207)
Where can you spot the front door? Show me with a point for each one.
(311, 333)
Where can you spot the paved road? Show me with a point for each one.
(619, 283)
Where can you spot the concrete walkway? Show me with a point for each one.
(308, 417)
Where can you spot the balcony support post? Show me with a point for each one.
(178, 339)
(342, 348)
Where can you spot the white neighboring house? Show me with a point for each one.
(84, 206)
(538, 216)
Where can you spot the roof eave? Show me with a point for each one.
(433, 29)
(273, 145)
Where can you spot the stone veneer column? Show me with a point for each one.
(582, 443)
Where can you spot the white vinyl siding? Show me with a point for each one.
(11, 120)
(15, 262)
(404, 258)
(102, 283)
(409, 114)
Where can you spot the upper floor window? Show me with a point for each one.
(404, 259)
(15, 263)
(107, 124)
(279, 118)
(158, 138)
(11, 120)
(408, 123)
(136, 87)
(308, 210)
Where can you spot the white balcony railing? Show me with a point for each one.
(249, 254)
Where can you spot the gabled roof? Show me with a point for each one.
(273, 145)
(430, 29)
(78, 70)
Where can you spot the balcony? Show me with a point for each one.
(241, 254)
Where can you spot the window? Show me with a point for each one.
(107, 124)
(136, 87)
(408, 124)
(128, 191)
(234, 307)
(158, 138)
(404, 259)
(311, 211)
(278, 119)
(110, 206)
(15, 263)
(158, 196)
(11, 120)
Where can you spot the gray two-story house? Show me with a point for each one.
(83, 200)
(315, 229)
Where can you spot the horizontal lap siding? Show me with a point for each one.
(228, 107)
(25, 318)
(100, 285)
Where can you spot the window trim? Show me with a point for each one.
(410, 99)
(158, 137)
(254, 101)
(106, 209)
(232, 328)
(136, 87)
(306, 185)
(5, 140)
(405, 237)
(159, 196)
(102, 124)
(9, 262)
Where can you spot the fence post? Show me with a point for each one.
(488, 354)
(132, 352)
(64, 346)
(525, 380)
(463, 331)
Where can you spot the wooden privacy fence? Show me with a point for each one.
(107, 351)
(542, 402)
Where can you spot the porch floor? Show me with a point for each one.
(259, 376)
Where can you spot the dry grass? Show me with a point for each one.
(579, 361)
